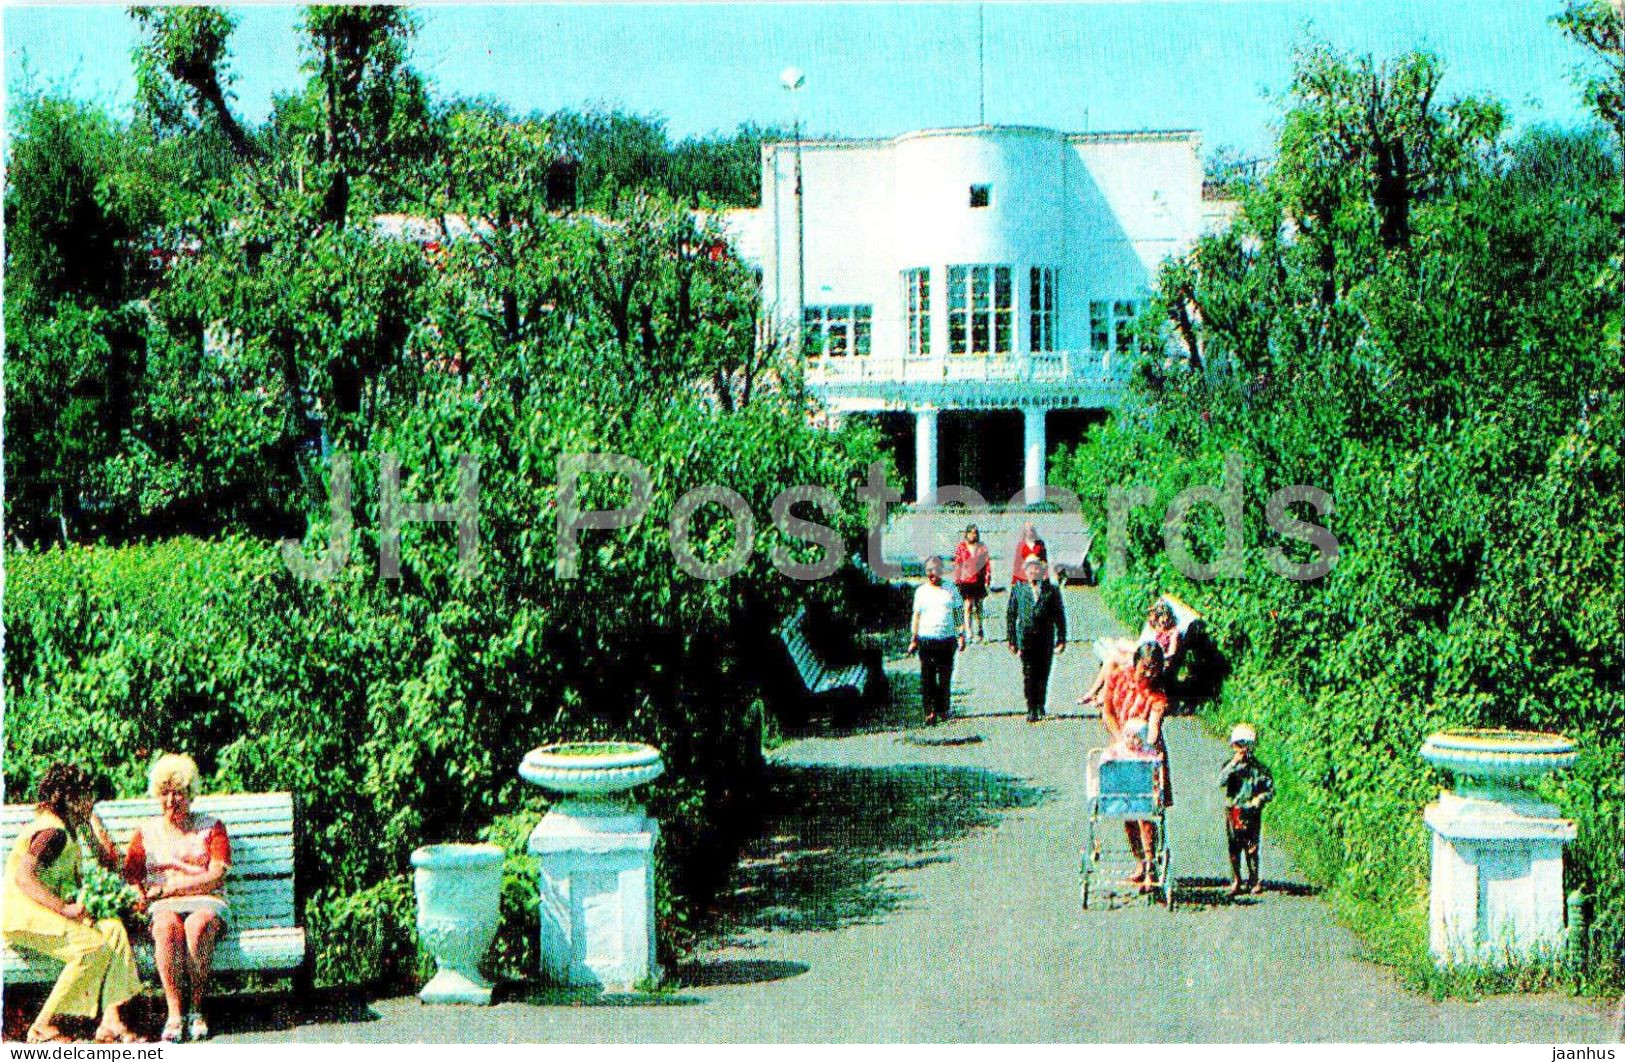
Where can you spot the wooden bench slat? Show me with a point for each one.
(252, 949)
(262, 934)
(816, 676)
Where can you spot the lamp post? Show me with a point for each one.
(793, 79)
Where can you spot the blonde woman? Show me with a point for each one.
(42, 916)
(181, 860)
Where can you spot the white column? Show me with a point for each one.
(1034, 479)
(925, 457)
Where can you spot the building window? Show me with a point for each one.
(917, 308)
(1042, 300)
(981, 195)
(979, 313)
(836, 330)
(1111, 326)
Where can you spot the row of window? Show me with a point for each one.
(981, 318)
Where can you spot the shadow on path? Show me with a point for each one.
(1193, 892)
(584, 996)
(832, 836)
(710, 974)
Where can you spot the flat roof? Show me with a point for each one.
(1091, 137)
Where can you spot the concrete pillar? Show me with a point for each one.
(596, 879)
(1497, 881)
(1033, 482)
(925, 457)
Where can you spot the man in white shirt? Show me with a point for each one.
(937, 629)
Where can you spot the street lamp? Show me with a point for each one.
(793, 79)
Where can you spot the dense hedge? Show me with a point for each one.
(1454, 386)
(398, 711)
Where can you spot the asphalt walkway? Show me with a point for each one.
(929, 893)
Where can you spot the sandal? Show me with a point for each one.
(174, 1030)
(56, 1036)
(198, 1029)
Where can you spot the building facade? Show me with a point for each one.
(986, 274)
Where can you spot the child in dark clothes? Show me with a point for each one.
(1247, 788)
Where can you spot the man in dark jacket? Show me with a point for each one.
(1035, 628)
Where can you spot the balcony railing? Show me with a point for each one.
(1048, 367)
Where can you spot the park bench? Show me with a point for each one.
(810, 683)
(1075, 567)
(1203, 668)
(818, 677)
(262, 933)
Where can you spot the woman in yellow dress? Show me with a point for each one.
(41, 915)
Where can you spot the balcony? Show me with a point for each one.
(1054, 378)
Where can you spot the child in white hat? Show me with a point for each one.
(1247, 786)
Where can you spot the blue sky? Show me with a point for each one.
(874, 69)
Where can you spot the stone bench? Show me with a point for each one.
(263, 932)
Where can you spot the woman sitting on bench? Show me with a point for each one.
(41, 915)
(181, 861)
(1161, 627)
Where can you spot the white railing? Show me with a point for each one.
(1061, 366)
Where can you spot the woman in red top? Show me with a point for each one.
(1135, 695)
(973, 571)
(1029, 546)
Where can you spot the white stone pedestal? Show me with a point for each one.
(1497, 888)
(595, 867)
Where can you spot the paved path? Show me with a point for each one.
(930, 893)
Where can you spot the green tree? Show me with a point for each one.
(1600, 26)
(181, 65)
(371, 106)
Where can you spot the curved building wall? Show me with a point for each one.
(1103, 209)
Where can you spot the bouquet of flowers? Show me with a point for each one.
(106, 895)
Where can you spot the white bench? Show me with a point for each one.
(819, 678)
(1075, 567)
(1184, 615)
(262, 933)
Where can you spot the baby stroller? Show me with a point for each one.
(1122, 787)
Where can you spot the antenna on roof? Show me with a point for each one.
(981, 64)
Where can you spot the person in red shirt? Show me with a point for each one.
(1134, 696)
(1030, 545)
(973, 572)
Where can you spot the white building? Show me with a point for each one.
(982, 275)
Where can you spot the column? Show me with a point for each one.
(1033, 482)
(925, 457)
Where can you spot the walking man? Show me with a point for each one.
(938, 627)
(1035, 628)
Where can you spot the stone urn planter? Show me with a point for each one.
(595, 862)
(459, 892)
(1497, 876)
(594, 776)
(1498, 764)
